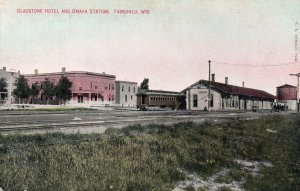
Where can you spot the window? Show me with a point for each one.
(112, 98)
(129, 89)
(131, 97)
(211, 100)
(91, 85)
(112, 87)
(125, 98)
(96, 87)
(122, 88)
(195, 100)
(109, 86)
(133, 89)
(80, 88)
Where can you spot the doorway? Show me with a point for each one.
(80, 99)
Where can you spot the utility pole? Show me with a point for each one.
(298, 75)
(208, 100)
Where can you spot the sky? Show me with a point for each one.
(171, 45)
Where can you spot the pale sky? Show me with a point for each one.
(171, 46)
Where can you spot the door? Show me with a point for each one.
(80, 99)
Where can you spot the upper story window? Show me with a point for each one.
(122, 88)
(133, 89)
(129, 89)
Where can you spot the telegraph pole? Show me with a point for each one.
(208, 100)
(298, 75)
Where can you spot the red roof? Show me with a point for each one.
(236, 90)
(286, 86)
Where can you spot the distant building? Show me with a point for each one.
(86, 86)
(288, 95)
(159, 98)
(225, 97)
(11, 79)
(126, 93)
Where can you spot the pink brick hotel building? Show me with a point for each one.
(86, 86)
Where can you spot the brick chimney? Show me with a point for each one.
(36, 72)
(4, 68)
(63, 70)
(213, 77)
(243, 84)
(226, 80)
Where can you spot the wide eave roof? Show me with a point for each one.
(235, 90)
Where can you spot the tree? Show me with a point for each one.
(3, 88)
(35, 91)
(64, 89)
(145, 84)
(3, 85)
(22, 91)
(49, 89)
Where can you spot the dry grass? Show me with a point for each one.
(148, 157)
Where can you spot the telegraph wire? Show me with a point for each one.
(254, 65)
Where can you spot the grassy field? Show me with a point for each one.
(155, 157)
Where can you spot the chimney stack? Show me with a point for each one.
(213, 77)
(226, 80)
(243, 84)
(19, 72)
(36, 72)
(4, 68)
(63, 70)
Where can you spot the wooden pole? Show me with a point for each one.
(208, 100)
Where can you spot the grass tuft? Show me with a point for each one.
(149, 157)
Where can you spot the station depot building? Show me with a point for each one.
(225, 97)
(86, 86)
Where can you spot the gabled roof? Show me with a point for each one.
(286, 86)
(235, 90)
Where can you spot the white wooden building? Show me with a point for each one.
(225, 97)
